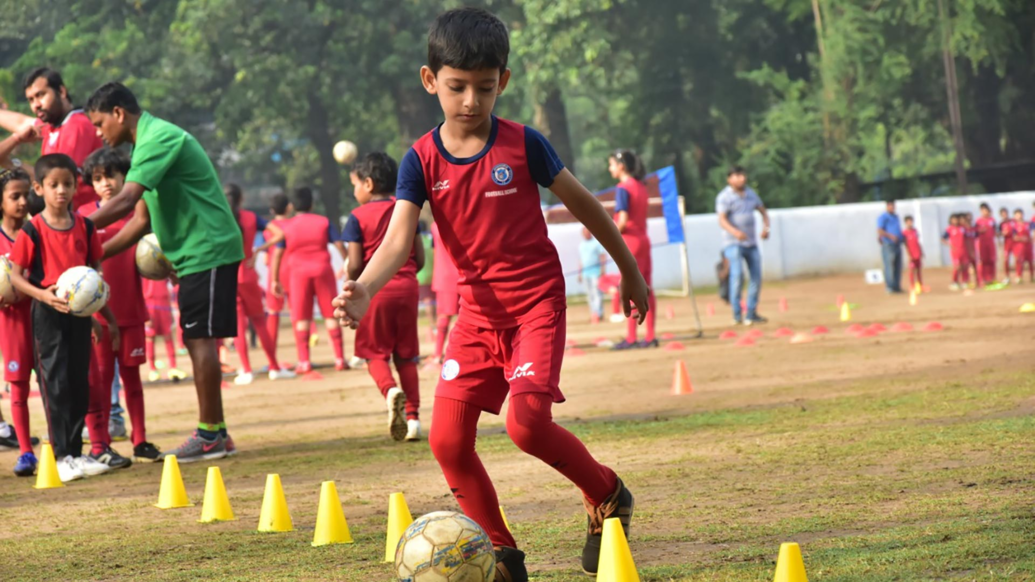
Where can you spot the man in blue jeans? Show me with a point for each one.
(736, 206)
(889, 232)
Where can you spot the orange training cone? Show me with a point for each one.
(789, 566)
(47, 474)
(681, 381)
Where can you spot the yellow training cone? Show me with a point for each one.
(616, 561)
(1028, 308)
(917, 288)
(399, 519)
(846, 312)
(172, 494)
(47, 474)
(274, 516)
(912, 297)
(503, 514)
(331, 527)
(789, 566)
(216, 506)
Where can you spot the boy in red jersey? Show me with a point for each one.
(48, 245)
(275, 301)
(16, 325)
(986, 234)
(956, 237)
(970, 241)
(447, 300)
(481, 175)
(390, 327)
(106, 170)
(160, 325)
(1006, 233)
(249, 295)
(1022, 250)
(916, 254)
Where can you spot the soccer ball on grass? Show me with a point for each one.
(445, 546)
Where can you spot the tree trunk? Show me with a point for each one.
(551, 118)
(330, 172)
(416, 111)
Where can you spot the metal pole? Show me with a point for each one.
(688, 281)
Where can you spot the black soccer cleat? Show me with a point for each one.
(146, 452)
(510, 565)
(619, 504)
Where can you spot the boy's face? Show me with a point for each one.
(1003, 214)
(467, 97)
(1018, 216)
(57, 188)
(614, 168)
(361, 189)
(112, 127)
(16, 199)
(107, 186)
(737, 180)
(954, 220)
(909, 224)
(986, 212)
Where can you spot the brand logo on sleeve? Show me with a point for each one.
(502, 174)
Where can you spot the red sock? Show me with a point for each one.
(273, 327)
(149, 351)
(530, 425)
(630, 329)
(241, 343)
(381, 372)
(410, 384)
(337, 343)
(170, 350)
(652, 316)
(442, 330)
(98, 411)
(616, 302)
(20, 414)
(454, 427)
(134, 391)
(268, 345)
(302, 344)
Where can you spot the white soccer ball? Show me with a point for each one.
(445, 546)
(8, 293)
(151, 261)
(345, 152)
(84, 290)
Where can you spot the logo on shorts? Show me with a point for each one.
(522, 371)
(13, 366)
(137, 353)
(189, 325)
(450, 369)
(502, 174)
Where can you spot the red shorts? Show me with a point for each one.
(482, 365)
(390, 327)
(161, 319)
(249, 299)
(131, 347)
(915, 263)
(16, 341)
(447, 302)
(639, 246)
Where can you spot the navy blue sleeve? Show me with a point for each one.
(332, 232)
(945, 235)
(352, 232)
(411, 186)
(543, 162)
(261, 223)
(621, 200)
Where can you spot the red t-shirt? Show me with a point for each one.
(1021, 233)
(631, 196)
(986, 230)
(306, 236)
(19, 312)
(57, 251)
(957, 237)
(367, 226)
(77, 138)
(250, 224)
(912, 237)
(488, 212)
(444, 277)
(120, 273)
(156, 293)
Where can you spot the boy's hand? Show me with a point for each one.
(634, 293)
(116, 338)
(352, 304)
(97, 331)
(278, 290)
(56, 303)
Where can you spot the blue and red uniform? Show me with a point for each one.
(632, 197)
(389, 329)
(1022, 247)
(16, 347)
(249, 297)
(511, 329)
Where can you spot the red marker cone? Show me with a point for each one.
(933, 326)
(674, 347)
(820, 330)
(900, 327)
(709, 310)
(728, 334)
(783, 305)
(783, 332)
(745, 342)
(681, 381)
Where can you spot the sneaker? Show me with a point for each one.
(648, 344)
(755, 319)
(26, 465)
(303, 368)
(282, 374)
(176, 375)
(146, 452)
(623, 345)
(396, 401)
(117, 430)
(413, 430)
(510, 565)
(154, 376)
(340, 365)
(112, 459)
(356, 362)
(244, 378)
(620, 505)
(231, 448)
(92, 467)
(196, 449)
(69, 469)
(617, 318)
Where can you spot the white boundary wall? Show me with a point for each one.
(814, 240)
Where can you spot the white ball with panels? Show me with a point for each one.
(7, 291)
(445, 546)
(151, 261)
(84, 290)
(345, 152)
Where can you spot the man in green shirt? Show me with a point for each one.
(172, 188)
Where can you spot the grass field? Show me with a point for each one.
(906, 456)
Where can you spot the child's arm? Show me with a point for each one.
(587, 209)
(418, 251)
(355, 260)
(113, 327)
(278, 255)
(46, 296)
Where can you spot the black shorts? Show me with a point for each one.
(208, 303)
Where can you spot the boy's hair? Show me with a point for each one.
(111, 95)
(279, 203)
(15, 175)
(54, 80)
(302, 199)
(36, 202)
(908, 218)
(381, 169)
(985, 206)
(234, 193)
(735, 170)
(50, 162)
(109, 161)
(1018, 210)
(632, 163)
(469, 39)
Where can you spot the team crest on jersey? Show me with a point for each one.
(502, 174)
(13, 366)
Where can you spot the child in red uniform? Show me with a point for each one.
(1006, 233)
(307, 236)
(390, 327)
(970, 241)
(249, 295)
(106, 170)
(481, 176)
(956, 237)
(631, 203)
(274, 300)
(1022, 250)
(986, 234)
(916, 254)
(48, 245)
(16, 324)
(159, 325)
(444, 280)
